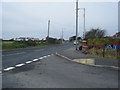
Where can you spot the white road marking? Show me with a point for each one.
(48, 55)
(14, 54)
(19, 65)
(35, 60)
(10, 68)
(44, 56)
(41, 58)
(28, 62)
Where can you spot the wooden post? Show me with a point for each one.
(118, 52)
(104, 51)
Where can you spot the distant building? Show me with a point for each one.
(117, 35)
(26, 39)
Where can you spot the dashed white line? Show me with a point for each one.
(19, 65)
(28, 62)
(41, 58)
(44, 56)
(48, 55)
(10, 68)
(35, 60)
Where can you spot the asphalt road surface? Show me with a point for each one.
(56, 72)
(53, 71)
(14, 57)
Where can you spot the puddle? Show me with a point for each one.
(89, 61)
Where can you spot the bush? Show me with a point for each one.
(12, 45)
(102, 41)
(95, 47)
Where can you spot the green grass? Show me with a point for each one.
(108, 53)
(7, 42)
(8, 45)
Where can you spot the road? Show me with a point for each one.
(14, 57)
(56, 72)
(53, 71)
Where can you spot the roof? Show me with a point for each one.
(117, 35)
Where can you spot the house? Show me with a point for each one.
(26, 39)
(117, 35)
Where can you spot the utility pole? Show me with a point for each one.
(76, 23)
(48, 28)
(84, 25)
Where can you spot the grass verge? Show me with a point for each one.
(113, 54)
(8, 45)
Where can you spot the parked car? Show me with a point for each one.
(75, 42)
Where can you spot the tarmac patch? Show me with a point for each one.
(90, 61)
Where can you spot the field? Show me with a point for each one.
(7, 45)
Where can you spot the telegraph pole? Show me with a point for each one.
(76, 23)
(84, 24)
(48, 27)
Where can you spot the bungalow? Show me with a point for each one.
(117, 35)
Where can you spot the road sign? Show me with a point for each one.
(111, 46)
(115, 46)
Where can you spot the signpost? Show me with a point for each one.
(110, 46)
(115, 46)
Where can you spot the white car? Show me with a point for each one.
(75, 42)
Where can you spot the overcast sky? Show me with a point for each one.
(30, 19)
(119, 16)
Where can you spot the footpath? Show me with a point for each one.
(77, 56)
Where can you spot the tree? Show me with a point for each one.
(95, 33)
